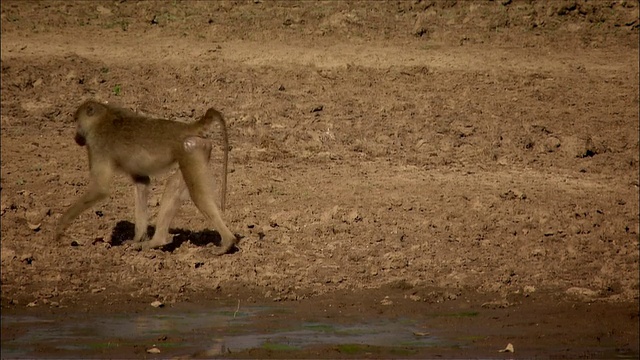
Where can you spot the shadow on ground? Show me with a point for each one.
(125, 230)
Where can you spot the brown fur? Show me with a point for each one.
(121, 140)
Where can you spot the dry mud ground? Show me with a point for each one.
(439, 153)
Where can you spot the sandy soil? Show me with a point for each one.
(432, 149)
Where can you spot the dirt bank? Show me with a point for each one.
(438, 148)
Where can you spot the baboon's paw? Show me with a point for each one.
(223, 250)
(141, 239)
(133, 245)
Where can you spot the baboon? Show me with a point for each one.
(118, 139)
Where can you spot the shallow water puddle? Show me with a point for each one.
(374, 334)
(208, 333)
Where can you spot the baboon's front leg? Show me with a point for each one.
(101, 175)
(142, 210)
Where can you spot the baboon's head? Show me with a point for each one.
(86, 117)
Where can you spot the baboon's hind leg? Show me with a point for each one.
(175, 192)
(196, 175)
(142, 210)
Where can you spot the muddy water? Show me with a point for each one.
(205, 333)
(349, 326)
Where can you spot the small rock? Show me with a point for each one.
(395, 201)
(329, 214)
(551, 144)
(509, 348)
(27, 259)
(583, 293)
(317, 108)
(497, 304)
(103, 10)
(7, 254)
(386, 301)
(528, 289)
(157, 304)
(352, 217)
(466, 131)
(33, 304)
(420, 26)
(538, 252)
(567, 8)
(34, 227)
(34, 216)
(574, 229)
(514, 194)
(153, 350)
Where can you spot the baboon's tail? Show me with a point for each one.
(210, 116)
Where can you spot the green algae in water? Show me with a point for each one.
(278, 346)
(325, 328)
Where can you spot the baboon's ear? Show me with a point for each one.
(91, 109)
